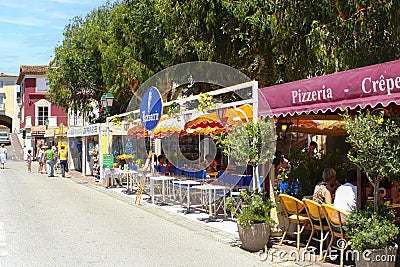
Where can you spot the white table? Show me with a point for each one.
(212, 193)
(163, 179)
(109, 173)
(188, 184)
(130, 176)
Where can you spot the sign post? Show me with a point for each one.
(150, 115)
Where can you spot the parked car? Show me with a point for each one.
(5, 138)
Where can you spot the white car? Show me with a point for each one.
(5, 138)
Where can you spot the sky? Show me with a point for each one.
(31, 29)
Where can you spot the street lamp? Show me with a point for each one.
(107, 102)
(283, 126)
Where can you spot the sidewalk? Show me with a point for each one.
(221, 230)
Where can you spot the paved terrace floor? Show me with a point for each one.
(221, 230)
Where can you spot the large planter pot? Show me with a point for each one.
(255, 236)
(385, 257)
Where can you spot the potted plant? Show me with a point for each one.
(253, 219)
(252, 144)
(370, 233)
(375, 150)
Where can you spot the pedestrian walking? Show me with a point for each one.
(63, 155)
(41, 159)
(49, 153)
(29, 158)
(3, 156)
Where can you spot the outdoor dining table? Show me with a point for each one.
(212, 194)
(130, 179)
(109, 175)
(163, 179)
(188, 184)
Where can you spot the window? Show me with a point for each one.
(2, 104)
(43, 115)
(42, 84)
(1, 84)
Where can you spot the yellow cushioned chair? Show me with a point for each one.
(318, 223)
(295, 213)
(337, 226)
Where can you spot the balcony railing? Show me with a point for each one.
(53, 121)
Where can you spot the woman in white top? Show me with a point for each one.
(3, 155)
(40, 159)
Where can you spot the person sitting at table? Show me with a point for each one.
(209, 164)
(324, 190)
(167, 167)
(161, 160)
(284, 164)
(346, 194)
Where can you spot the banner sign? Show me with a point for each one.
(151, 108)
(84, 131)
(371, 85)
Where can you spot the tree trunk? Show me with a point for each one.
(376, 195)
(256, 180)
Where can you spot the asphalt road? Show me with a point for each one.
(62, 222)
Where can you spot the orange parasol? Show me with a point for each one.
(139, 131)
(168, 126)
(204, 124)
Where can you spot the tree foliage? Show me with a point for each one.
(375, 141)
(118, 46)
(252, 143)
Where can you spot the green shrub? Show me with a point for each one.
(368, 229)
(307, 170)
(254, 208)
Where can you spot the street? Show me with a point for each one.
(64, 222)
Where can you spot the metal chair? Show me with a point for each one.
(318, 223)
(295, 213)
(337, 227)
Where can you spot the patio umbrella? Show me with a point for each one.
(204, 124)
(139, 131)
(320, 127)
(168, 126)
(237, 116)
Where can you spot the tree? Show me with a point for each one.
(375, 146)
(117, 47)
(252, 143)
(75, 76)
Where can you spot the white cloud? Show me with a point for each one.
(25, 22)
(12, 4)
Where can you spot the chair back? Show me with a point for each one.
(291, 205)
(314, 211)
(336, 220)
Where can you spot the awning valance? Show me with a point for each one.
(362, 87)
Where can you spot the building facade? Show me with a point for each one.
(37, 114)
(8, 103)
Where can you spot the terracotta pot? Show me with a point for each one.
(255, 236)
(384, 257)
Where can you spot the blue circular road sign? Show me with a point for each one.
(151, 108)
